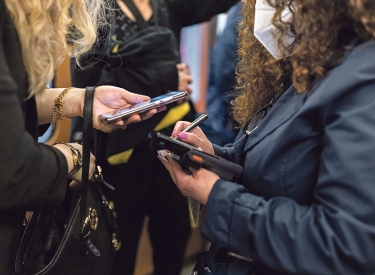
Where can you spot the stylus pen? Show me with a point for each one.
(195, 123)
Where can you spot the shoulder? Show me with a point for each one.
(355, 62)
(361, 56)
(357, 67)
(347, 87)
(367, 46)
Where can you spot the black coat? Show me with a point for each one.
(32, 176)
(136, 73)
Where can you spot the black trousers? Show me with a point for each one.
(144, 187)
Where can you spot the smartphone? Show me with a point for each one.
(144, 106)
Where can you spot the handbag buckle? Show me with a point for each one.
(91, 220)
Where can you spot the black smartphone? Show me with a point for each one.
(144, 106)
(190, 156)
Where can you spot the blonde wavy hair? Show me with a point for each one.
(50, 29)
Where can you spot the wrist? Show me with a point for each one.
(73, 154)
(67, 154)
(73, 102)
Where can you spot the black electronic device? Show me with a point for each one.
(189, 156)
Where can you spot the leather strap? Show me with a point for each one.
(142, 24)
(86, 147)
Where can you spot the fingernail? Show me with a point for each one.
(141, 99)
(173, 133)
(182, 135)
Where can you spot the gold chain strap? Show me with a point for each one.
(57, 107)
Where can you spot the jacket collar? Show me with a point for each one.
(287, 105)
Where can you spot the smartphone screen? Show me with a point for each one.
(144, 106)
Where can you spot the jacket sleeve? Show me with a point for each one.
(32, 175)
(333, 235)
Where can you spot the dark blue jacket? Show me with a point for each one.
(306, 204)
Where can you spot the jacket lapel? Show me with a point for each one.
(287, 105)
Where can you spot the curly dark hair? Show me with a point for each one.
(323, 31)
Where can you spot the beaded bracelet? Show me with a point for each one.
(57, 107)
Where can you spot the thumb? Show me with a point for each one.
(134, 98)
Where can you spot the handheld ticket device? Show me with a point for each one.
(189, 156)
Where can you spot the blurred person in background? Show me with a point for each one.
(142, 55)
(220, 128)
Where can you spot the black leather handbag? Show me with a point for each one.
(80, 236)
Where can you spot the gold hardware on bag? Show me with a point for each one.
(87, 220)
(116, 243)
(98, 174)
(93, 218)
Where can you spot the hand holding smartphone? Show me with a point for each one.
(143, 106)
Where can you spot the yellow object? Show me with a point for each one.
(119, 158)
(115, 48)
(193, 221)
(174, 114)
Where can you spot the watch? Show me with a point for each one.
(77, 158)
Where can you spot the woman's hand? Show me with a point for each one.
(197, 186)
(195, 137)
(108, 99)
(184, 79)
(76, 177)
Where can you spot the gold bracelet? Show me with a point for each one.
(57, 107)
(76, 156)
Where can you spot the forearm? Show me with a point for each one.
(277, 232)
(72, 104)
(35, 179)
